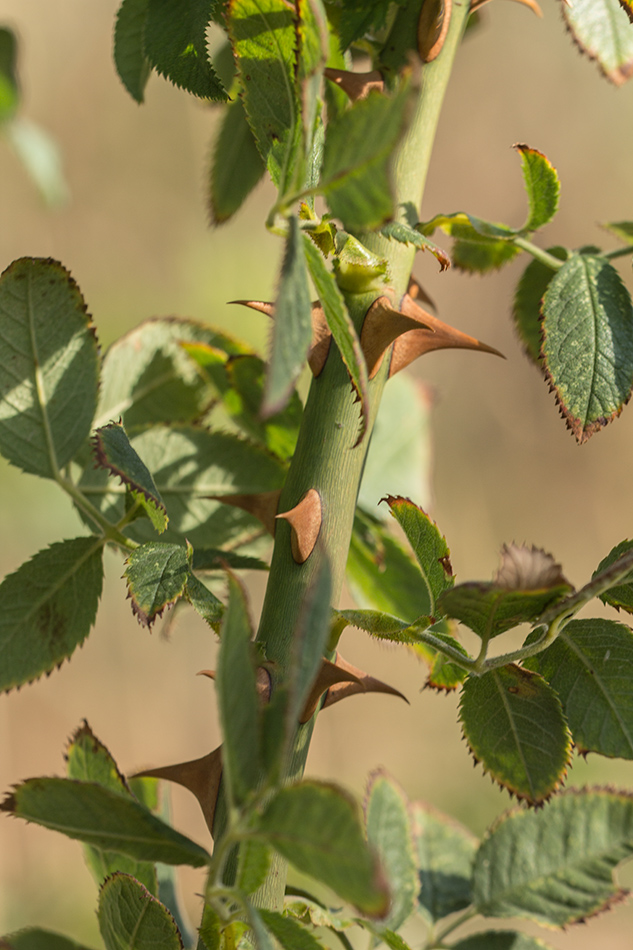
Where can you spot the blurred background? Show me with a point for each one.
(134, 233)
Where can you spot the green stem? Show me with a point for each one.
(440, 935)
(543, 256)
(110, 532)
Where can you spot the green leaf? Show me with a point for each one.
(389, 832)
(254, 862)
(355, 176)
(588, 342)
(214, 559)
(203, 601)
(292, 329)
(382, 575)
(480, 245)
(622, 229)
(601, 29)
(41, 159)
(88, 760)
(620, 597)
(479, 256)
(429, 547)
(113, 452)
(514, 725)
(49, 366)
(500, 940)
(236, 166)
(445, 852)
(317, 828)
(444, 673)
(526, 308)
(555, 865)
(176, 45)
(341, 327)
(398, 231)
(263, 939)
(542, 186)
(238, 700)
(590, 666)
(105, 819)
(130, 60)
(47, 608)
(35, 938)
(310, 636)
(289, 933)
(359, 17)
(9, 91)
(131, 919)
(380, 625)
(263, 36)
(156, 575)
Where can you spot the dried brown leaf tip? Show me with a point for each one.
(200, 776)
(321, 336)
(355, 85)
(382, 325)
(305, 524)
(262, 506)
(528, 568)
(532, 4)
(433, 27)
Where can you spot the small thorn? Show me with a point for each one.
(262, 506)
(355, 85)
(305, 523)
(358, 682)
(200, 776)
(261, 305)
(321, 336)
(209, 673)
(381, 326)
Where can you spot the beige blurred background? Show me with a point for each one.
(135, 236)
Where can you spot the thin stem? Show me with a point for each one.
(467, 662)
(543, 256)
(441, 934)
(109, 531)
(619, 252)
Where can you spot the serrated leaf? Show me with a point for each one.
(88, 760)
(175, 43)
(600, 28)
(102, 818)
(355, 176)
(526, 307)
(130, 60)
(131, 919)
(289, 933)
(398, 231)
(263, 36)
(263, 939)
(444, 673)
(514, 724)
(445, 852)
(203, 601)
(555, 865)
(620, 597)
(317, 827)
(389, 831)
(588, 343)
(236, 166)
(429, 547)
(156, 575)
(379, 624)
(622, 229)
(500, 940)
(114, 453)
(36, 938)
(9, 91)
(292, 329)
(49, 366)
(590, 666)
(359, 17)
(341, 327)
(47, 608)
(542, 186)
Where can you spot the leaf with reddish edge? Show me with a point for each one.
(542, 185)
(514, 725)
(601, 30)
(156, 575)
(130, 918)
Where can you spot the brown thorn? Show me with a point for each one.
(321, 335)
(433, 26)
(305, 523)
(263, 681)
(328, 676)
(262, 506)
(381, 326)
(419, 294)
(358, 682)
(355, 85)
(200, 776)
(418, 342)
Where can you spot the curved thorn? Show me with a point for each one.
(355, 85)
(201, 776)
(321, 335)
(305, 523)
(358, 682)
(381, 326)
(328, 676)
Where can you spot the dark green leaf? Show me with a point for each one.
(209, 932)
(526, 308)
(514, 725)
(238, 701)
(359, 17)
(215, 559)
(102, 818)
(131, 919)
(480, 245)
(88, 760)
(243, 400)
(317, 828)
(397, 231)
(500, 940)
(588, 342)
(380, 625)
(289, 933)
(9, 91)
(176, 45)
(49, 366)
(555, 865)
(203, 601)
(114, 453)
(590, 666)
(480, 256)
(237, 165)
(389, 832)
(130, 60)
(47, 608)
(445, 852)
(358, 147)
(156, 575)
(341, 326)
(34, 938)
(292, 330)
(602, 31)
(622, 229)
(542, 186)
(622, 595)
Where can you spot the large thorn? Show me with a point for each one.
(328, 676)
(200, 776)
(341, 679)
(305, 523)
(262, 506)
(418, 342)
(356, 85)
(321, 336)
(381, 326)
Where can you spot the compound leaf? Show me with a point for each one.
(130, 918)
(156, 575)
(601, 29)
(130, 60)
(445, 851)
(176, 45)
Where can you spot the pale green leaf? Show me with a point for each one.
(35, 938)
(175, 43)
(445, 851)
(131, 919)
(236, 166)
(622, 229)
(130, 60)
(41, 158)
(602, 30)
(156, 575)
(253, 865)
(289, 933)
(542, 186)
